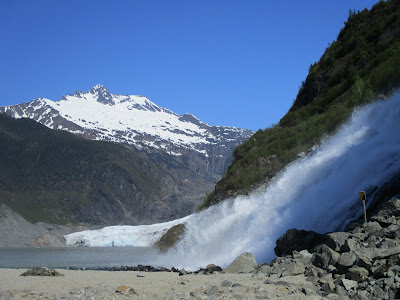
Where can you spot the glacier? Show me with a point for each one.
(122, 236)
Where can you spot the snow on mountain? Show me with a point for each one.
(120, 236)
(133, 120)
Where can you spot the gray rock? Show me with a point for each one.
(311, 271)
(357, 273)
(346, 260)
(305, 254)
(328, 286)
(213, 268)
(212, 291)
(371, 227)
(265, 269)
(226, 283)
(349, 284)
(296, 267)
(39, 271)
(325, 256)
(182, 272)
(379, 270)
(349, 245)
(244, 263)
(363, 262)
(336, 240)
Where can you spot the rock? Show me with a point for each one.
(301, 155)
(39, 271)
(182, 272)
(383, 253)
(346, 260)
(349, 284)
(325, 256)
(379, 270)
(171, 237)
(305, 254)
(349, 245)
(336, 240)
(328, 286)
(296, 267)
(124, 289)
(311, 271)
(363, 262)
(213, 268)
(371, 227)
(212, 291)
(226, 283)
(393, 231)
(244, 263)
(264, 268)
(387, 243)
(298, 240)
(358, 274)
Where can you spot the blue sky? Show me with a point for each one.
(228, 62)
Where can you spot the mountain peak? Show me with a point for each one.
(103, 94)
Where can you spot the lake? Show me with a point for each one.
(88, 257)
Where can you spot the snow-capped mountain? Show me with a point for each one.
(137, 122)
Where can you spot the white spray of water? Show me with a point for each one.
(316, 193)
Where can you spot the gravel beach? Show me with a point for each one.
(150, 285)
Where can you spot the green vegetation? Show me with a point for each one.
(58, 177)
(361, 66)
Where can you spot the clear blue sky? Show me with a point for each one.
(228, 62)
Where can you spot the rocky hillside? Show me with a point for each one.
(362, 65)
(58, 177)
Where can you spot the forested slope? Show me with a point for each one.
(361, 66)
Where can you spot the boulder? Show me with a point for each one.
(298, 240)
(213, 268)
(244, 263)
(325, 256)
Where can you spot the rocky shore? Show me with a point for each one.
(361, 263)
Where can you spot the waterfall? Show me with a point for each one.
(318, 192)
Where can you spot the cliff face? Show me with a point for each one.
(361, 66)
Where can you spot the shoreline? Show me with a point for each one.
(76, 284)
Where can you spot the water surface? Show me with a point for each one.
(65, 257)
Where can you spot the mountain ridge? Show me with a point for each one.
(168, 161)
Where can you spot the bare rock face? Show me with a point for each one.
(48, 240)
(171, 237)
